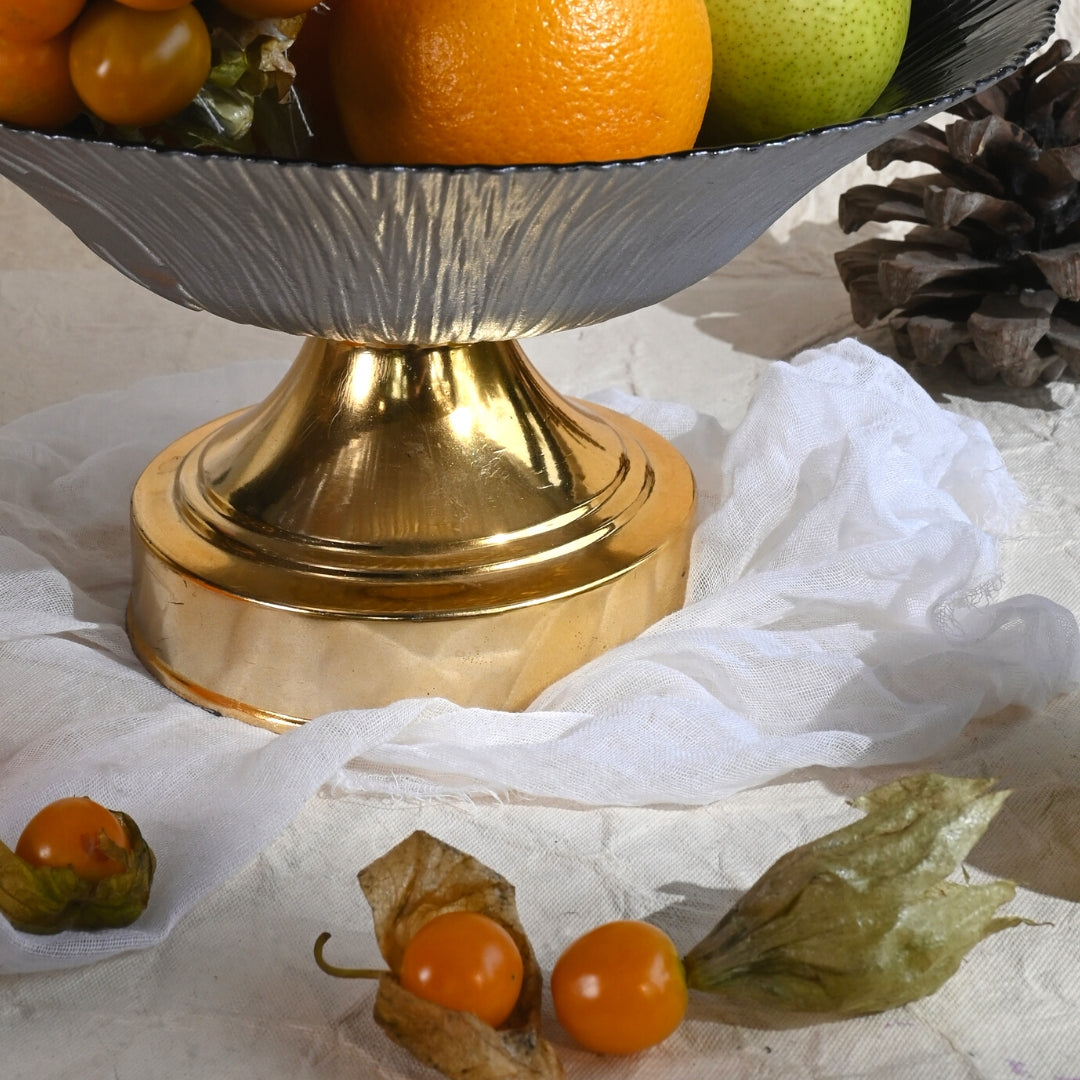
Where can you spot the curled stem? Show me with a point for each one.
(340, 972)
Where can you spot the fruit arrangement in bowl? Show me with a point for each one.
(427, 111)
(443, 83)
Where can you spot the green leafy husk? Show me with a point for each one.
(46, 900)
(246, 105)
(861, 920)
(412, 883)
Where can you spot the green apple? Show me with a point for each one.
(781, 66)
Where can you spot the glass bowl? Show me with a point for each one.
(414, 511)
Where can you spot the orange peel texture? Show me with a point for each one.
(495, 82)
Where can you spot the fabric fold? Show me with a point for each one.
(843, 610)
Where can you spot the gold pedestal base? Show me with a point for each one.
(396, 523)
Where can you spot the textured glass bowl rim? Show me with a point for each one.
(929, 105)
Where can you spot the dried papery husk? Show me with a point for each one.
(47, 899)
(412, 883)
(861, 920)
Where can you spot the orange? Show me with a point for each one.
(455, 82)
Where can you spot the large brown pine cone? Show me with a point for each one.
(988, 276)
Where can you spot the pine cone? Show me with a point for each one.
(989, 274)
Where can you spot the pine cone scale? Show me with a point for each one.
(872, 202)
(928, 146)
(934, 338)
(1059, 165)
(991, 137)
(861, 260)
(1006, 330)
(1069, 124)
(906, 275)
(947, 207)
(1061, 268)
(1059, 82)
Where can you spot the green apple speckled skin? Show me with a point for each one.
(782, 66)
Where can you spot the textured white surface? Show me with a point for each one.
(232, 993)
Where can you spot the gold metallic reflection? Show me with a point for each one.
(405, 522)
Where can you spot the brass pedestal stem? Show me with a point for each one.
(402, 522)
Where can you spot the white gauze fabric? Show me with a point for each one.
(841, 612)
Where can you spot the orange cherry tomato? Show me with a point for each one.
(466, 961)
(37, 20)
(136, 68)
(68, 833)
(268, 9)
(620, 988)
(35, 86)
(154, 5)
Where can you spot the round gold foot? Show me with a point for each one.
(396, 523)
